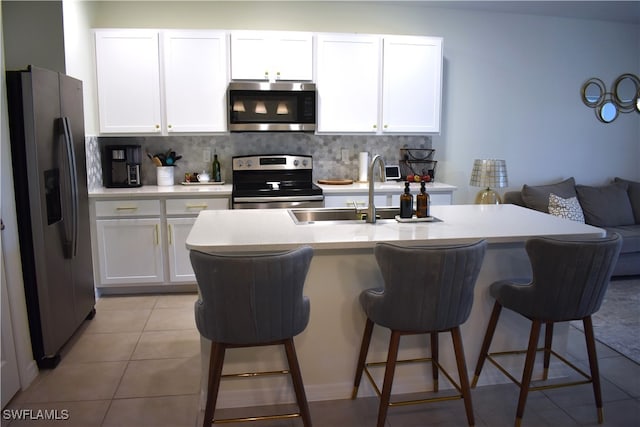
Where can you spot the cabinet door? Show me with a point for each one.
(195, 67)
(361, 200)
(292, 56)
(347, 78)
(249, 55)
(412, 84)
(128, 79)
(271, 55)
(179, 262)
(130, 251)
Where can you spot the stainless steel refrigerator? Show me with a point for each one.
(46, 125)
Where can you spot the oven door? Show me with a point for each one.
(278, 202)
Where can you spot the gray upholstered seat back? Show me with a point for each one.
(570, 278)
(250, 299)
(427, 288)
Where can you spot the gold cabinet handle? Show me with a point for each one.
(157, 234)
(386, 126)
(170, 233)
(157, 127)
(202, 206)
(127, 208)
(375, 126)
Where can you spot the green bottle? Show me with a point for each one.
(215, 170)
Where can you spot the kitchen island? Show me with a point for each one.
(344, 265)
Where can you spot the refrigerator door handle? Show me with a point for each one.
(73, 184)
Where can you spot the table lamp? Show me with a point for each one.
(489, 173)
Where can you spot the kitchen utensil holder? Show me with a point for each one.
(165, 175)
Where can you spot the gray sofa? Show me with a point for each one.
(614, 207)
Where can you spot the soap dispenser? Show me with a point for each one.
(406, 202)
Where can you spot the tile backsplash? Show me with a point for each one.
(325, 149)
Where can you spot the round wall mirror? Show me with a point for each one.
(607, 112)
(593, 91)
(625, 92)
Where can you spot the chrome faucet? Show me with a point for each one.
(371, 209)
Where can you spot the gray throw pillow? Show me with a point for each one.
(634, 196)
(537, 197)
(606, 206)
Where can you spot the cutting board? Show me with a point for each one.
(335, 181)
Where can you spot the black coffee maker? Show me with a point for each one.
(121, 166)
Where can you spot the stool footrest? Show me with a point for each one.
(491, 358)
(257, 418)
(415, 401)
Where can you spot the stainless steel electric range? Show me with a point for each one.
(274, 181)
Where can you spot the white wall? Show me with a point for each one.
(511, 82)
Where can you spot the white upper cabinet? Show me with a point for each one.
(128, 81)
(161, 82)
(347, 79)
(195, 71)
(412, 84)
(271, 55)
(363, 88)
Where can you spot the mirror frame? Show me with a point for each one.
(603, 90)
(626, 106)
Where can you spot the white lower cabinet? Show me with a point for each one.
(142, 243)
(360, 200)
(179, 263)
(130, 251)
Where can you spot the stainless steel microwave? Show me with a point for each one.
(276, 107)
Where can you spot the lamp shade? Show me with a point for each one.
(489, 173)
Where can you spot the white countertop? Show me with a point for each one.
(146, 191)
(274, 229)
(385, 187)
(224, 190)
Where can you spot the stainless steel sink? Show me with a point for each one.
(338, 215)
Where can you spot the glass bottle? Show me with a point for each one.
(406, 202)
(215, 170)
(422, 202)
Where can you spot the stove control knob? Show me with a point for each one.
(295, 163)
(304, 163)
(240, 163)
(249, 163)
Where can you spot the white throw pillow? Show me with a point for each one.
(565, 208)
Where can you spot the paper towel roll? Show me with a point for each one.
(363, 157)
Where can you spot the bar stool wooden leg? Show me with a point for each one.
(392, 357)
(434, 358)
(548, 338)
(528, 369)
(488, 336)
(296, 376)
(462, 373)
(216, 360)
(364, 349)
(593, 365)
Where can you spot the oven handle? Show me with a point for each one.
(278, 199)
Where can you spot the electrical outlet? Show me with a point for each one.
(206, 155)
(345, 155)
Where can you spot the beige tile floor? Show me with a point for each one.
(137, 364)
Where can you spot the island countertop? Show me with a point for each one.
(275, 229)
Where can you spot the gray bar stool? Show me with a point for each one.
(570, 278)
(427, 290)
(247, 301)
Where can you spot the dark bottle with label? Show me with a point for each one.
(406, 202)
(215, 170)
(422, 202)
